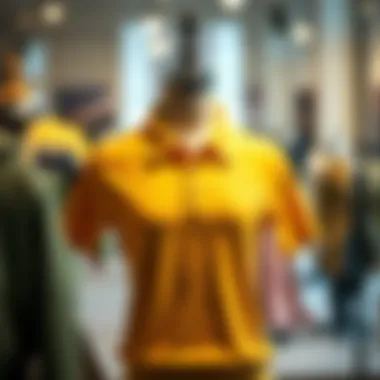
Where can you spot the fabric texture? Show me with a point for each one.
(189, 229)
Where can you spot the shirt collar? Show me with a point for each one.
(217, 148)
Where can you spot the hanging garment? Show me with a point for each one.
(54, 136)
(37, 325)
(283, 308)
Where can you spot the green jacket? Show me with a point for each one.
(36, 303)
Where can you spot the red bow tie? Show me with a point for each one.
(180, 155)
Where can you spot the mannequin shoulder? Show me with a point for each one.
(262, 150)
(119, 148)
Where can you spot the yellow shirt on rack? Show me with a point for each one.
(189, 228)
(53, 134)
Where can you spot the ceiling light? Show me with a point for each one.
(232, 5)
(154, 24)
(159, 38)
(53, 13)
(161, 48)
(302, 34)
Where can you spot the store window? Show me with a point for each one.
(35, 73)
(143, 56)
(225, 40)
(141, 51)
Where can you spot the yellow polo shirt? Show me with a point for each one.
(189, 230)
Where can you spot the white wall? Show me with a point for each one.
(83, 60)
(85, 50)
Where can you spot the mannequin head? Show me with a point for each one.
(184, 103)
(181, 109)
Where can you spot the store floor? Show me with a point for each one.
(104, 294)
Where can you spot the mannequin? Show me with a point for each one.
(185, 104)
(187, 193)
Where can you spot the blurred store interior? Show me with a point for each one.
(306, 73)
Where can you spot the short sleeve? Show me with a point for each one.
(85, 213)
(296, 224)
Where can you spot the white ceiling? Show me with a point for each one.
(99, 15)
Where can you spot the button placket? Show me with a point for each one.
(190, 227)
